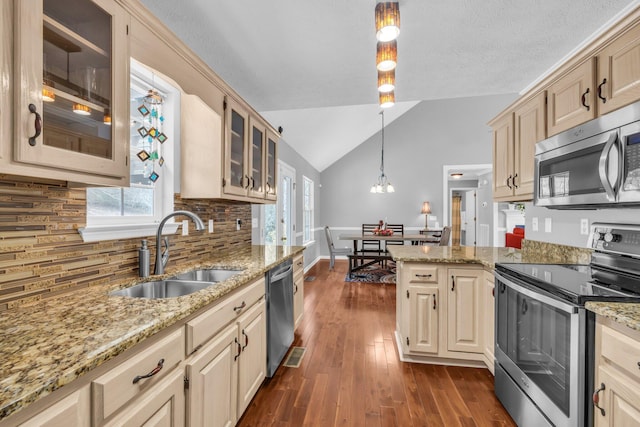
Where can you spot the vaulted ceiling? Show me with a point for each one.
(309, 66)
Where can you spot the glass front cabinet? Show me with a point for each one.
(271, 166)
(71, 87)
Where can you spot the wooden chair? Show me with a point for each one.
(398, 230)
(333, 251)
(369, 247)
(445, 236)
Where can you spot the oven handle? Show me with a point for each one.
(603, 168)
(568, 308)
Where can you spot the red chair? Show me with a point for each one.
(514, 239)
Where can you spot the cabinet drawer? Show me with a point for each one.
(421, 274)
(621, 350)
(114, 389)
(298, 264)
(204, 327)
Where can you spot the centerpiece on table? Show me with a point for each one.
(382, 230)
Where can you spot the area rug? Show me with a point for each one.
(373, 274)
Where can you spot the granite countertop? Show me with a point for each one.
(625, 313)
(48, 345)
(487, 256)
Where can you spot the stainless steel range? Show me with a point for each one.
(544, 335)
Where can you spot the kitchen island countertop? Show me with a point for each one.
(51, 343)
(486, 256)
(625, 313)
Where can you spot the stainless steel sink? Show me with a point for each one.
(157, 289)
(208, 274)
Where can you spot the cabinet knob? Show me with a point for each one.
(37, 125)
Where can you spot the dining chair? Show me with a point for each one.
(398, 230)
(444, 237)
(333, 251)
(369, 247)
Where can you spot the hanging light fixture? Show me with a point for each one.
(81, 109)
(387, 99)
(106, 118)
(386, 55)
(386, 81)
(48, 95)
(387, 21)
(382, 185)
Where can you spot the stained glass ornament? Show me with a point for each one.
(153, 132)
(162, 137)
(161, 118)
(143, 110)
(154, 113)
(161, 161)
(143, 155)
(149, 139)
(154, 176)
(154, 155)
(143, 131)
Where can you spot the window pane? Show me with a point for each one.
(138, 201)
(104, 202)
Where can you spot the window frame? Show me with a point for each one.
(308, 210)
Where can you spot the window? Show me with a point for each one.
(135, 211)
(307, 209)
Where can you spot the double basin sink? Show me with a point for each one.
(178, 285)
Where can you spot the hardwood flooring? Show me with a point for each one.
(351, 374)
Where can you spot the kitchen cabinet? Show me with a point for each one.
(439, 312)
(271, 167)
(571, 98)
(256, 160)
(514, 138)
(252, 368)
(236, 178)
(617, 378)
(488, 305)
(72, 411)
(71, 86)
(298, 290)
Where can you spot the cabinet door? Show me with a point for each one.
(503, 158)
(423, 319)
(530, 128)
(213, 382)
(257, 159)
(298, 299)
(272, 165)
(571, 99)
(463, 311)
(162, 405)
(253, 359)
(236, 177)
(72, 65)
(72, 411)
(620, 399)
(618, 81)
(488, 302)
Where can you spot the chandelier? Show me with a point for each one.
(382, 185)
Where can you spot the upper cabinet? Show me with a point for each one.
(71, 80)
(271, 166)
(570, 99)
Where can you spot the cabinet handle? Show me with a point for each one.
(253, 183)
(493, 292)
(596, 398)
(295, 289)
(268, 188)
(239, 349)
(453, 283)
(514, 181)
(424, 275)
(154, 371)
(584, 100)
(434, 301)
(246, 340)
(240, 307)
(604, 100)
(509, 185)
(247, 184)
(407, 294)
(37, 125)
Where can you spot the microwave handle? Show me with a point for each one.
(603, 168)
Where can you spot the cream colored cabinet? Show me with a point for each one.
(617, 376)
(571, 99)
(236, 145)
(72, 411)
(271, 167)
(618, 81)
(514, 138)
(256, 160)
(463, 310)
(252, 369)
(71, 87)
(298, 290)
(439, 313)
(488, 305)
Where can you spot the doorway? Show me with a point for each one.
(286, 205)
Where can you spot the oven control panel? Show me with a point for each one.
(616, 238)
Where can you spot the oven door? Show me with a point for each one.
(540, 343)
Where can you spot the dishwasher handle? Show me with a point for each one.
(281, 274)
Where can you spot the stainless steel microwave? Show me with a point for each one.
(593, 165)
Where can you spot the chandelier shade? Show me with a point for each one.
(386, 81)
(387, 21)
(386, 55)
(387, 99)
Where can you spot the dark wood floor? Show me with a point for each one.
(351, 374)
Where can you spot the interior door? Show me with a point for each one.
(470, 218)
(286, 204)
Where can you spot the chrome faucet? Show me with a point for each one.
(163, 256)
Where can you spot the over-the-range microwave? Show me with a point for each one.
(596, 164)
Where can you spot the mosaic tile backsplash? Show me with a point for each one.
(42, 255)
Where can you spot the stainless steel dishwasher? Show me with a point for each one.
(279, 298)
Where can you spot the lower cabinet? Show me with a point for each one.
(252, 370)
(72, 411)
(439, 311)
(298, 290)
(617, 377)
(488, 304)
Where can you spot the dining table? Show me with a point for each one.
(383, 256)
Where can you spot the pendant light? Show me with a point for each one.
(81, 109)
(387, 21)
(382, 185)
(386, 55)
(387, 99)
(386, 81)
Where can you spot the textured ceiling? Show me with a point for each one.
(310, 65)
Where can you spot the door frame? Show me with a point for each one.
(446, 194)
(285, 169)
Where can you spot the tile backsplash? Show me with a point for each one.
(42, 255)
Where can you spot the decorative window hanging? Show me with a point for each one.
(151, 134)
